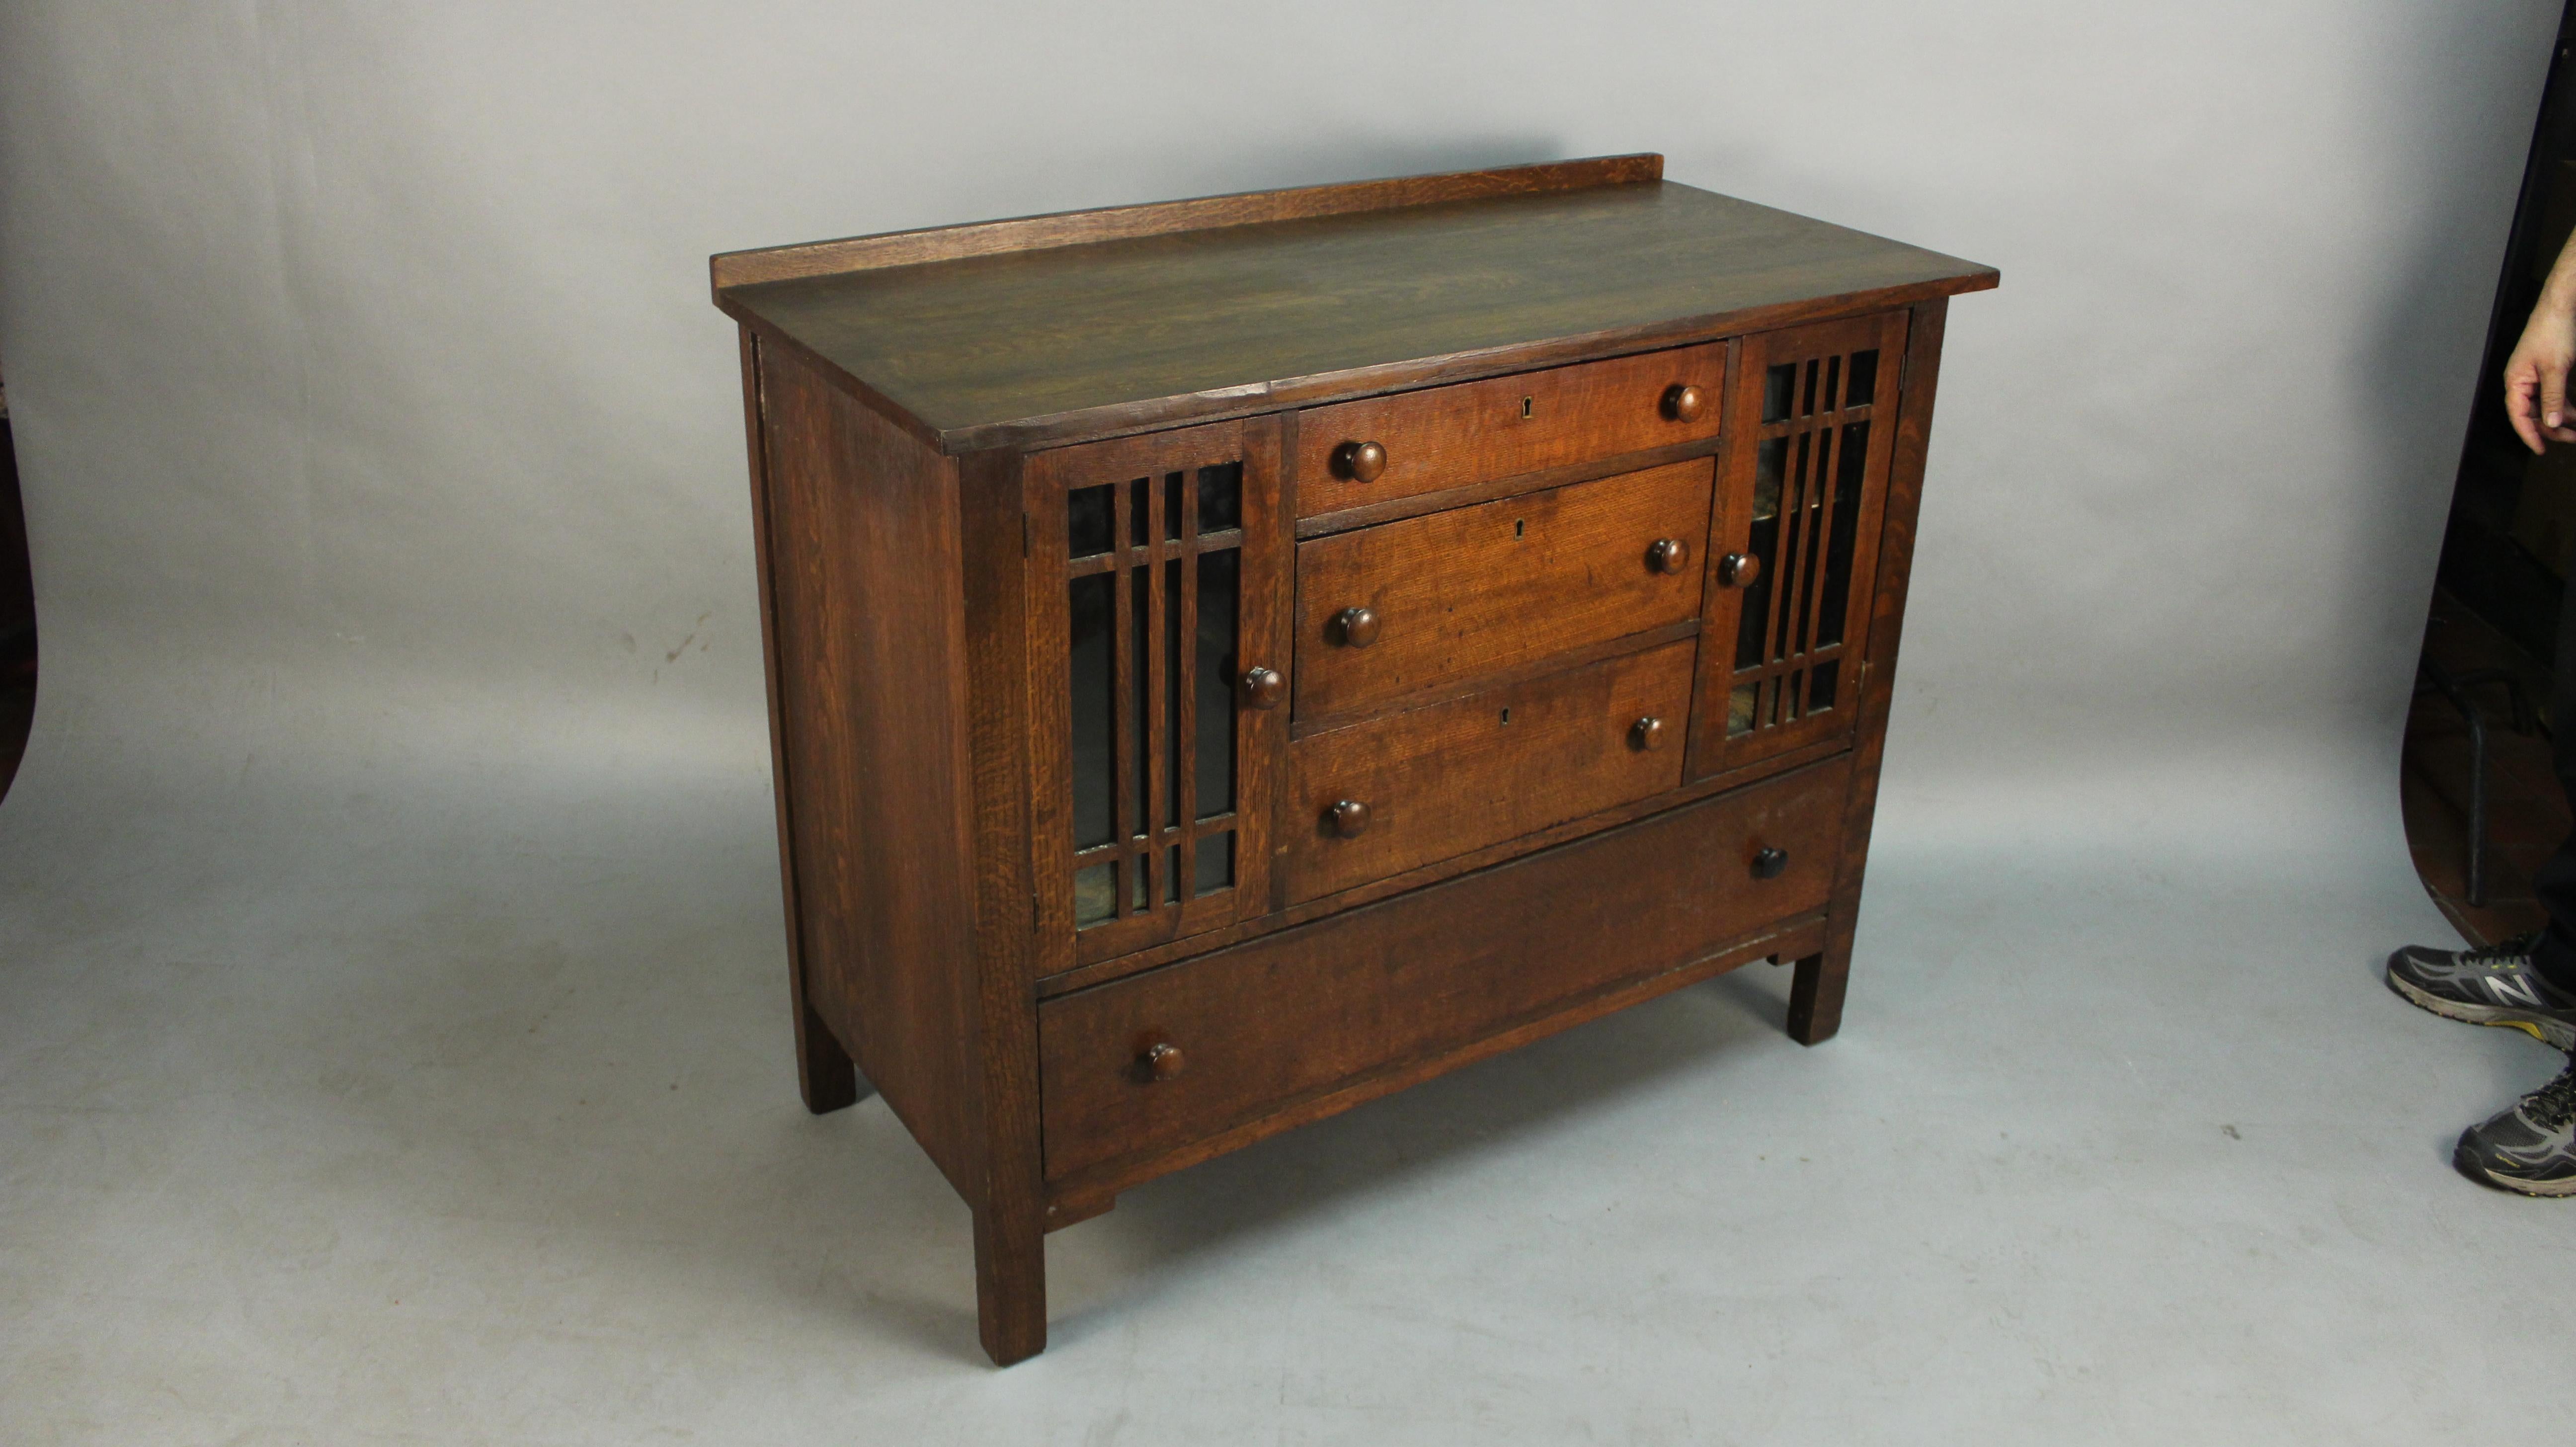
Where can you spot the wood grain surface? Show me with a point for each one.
(1458, 436)
(1293, 1014)
(1442, 780)
(1131, 332)
(867, 587)
(1480, 590)
(1161, 218)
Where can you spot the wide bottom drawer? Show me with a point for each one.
(1158, 1060)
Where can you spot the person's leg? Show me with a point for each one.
(2530, 1146)
(2527, 982)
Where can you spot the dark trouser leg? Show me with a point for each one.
(2554, 883)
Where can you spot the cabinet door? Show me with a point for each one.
(1157, 592)
(1802, 483)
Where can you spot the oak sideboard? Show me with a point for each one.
(1235, 658)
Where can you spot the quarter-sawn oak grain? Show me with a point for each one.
(1078, 341)
(1445, 779)
(1477, 590)
(1473, 432)
(1542, 515)
(1299, 1011)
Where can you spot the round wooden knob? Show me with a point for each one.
(1739, 570)
(1769, 863)
(1350, 818)
(1360, 461)
(1646, 734)
(1162, 1060)
(1668, 555)
(1356, 626)
(1682, 402)
(1263, 687)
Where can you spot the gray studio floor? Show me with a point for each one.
(355, 1121)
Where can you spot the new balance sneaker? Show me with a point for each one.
(2491, 985)
(2529, 1148)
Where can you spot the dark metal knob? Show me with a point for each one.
(1770, 863)
(1360, 461)
(1263, 687)
(1682, 402)
(1739, 570)
(1161, 1060)
(1356, 626)
(1350, 818)
(1646, 734)
(1668, 555)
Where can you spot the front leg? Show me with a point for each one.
(825, 1074)
(1816, 996)
(1010, 1283)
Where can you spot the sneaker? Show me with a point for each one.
(2530, 1148)
(2491, 985)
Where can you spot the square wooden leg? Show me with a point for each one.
(1010, 1284)
(826, 1075)
(1816, 996)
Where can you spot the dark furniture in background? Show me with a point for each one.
(2480, 803)
(1235, 658)
(17, 613)
(2513, 515)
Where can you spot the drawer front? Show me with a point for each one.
(1254, 1028)
(1433, 783)
(1457, 595)
(1474, 432)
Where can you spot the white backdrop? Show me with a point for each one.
(384, 467)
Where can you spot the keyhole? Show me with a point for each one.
(1518, 524)
(1525, 408)
(1507, 715)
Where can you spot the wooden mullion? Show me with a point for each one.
(1097, 563)
(1185, 729)
(1157, 695)
(1812, 596)
(1122, 642)
(1784, 588)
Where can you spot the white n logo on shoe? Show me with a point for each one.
(2514, 990)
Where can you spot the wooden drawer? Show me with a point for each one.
(1439, 781)
(1260, 1026)
(1445, 437)
(1481, 590)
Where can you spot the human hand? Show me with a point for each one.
(2535, 376)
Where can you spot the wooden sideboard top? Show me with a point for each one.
(1087, 324)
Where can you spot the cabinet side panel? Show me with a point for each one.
(871, 640)
(823, 1070)
(1823, 1015)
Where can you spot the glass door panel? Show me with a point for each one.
(1801, 484)
(1147, 560)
